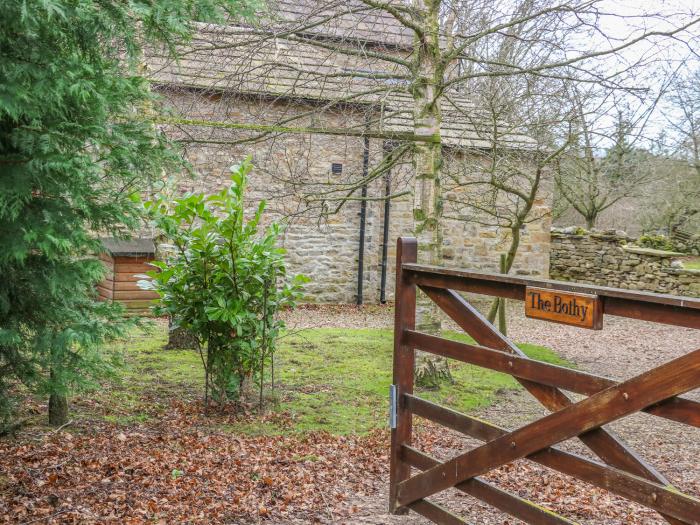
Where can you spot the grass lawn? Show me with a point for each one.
(328, 379)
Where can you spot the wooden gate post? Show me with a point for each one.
(404, 361)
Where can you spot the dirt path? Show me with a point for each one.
(623, 349)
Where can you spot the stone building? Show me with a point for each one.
(232, 82)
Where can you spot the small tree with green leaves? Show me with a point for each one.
(225, 282)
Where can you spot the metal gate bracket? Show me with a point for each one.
(393, 401)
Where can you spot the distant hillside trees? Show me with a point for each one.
(635, 169)
(603, 163)
(681, 208)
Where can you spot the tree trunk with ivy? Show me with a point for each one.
(430, 369)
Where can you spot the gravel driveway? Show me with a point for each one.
(624, 348)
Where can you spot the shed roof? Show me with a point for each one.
(129, 248)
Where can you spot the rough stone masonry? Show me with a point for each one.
(608, 258)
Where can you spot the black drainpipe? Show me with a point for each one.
(363, 218)
(385, 227)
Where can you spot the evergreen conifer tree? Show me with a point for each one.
(74, 147)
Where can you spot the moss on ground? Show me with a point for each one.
(328, 379)
(150, 379)
(692, 264)
(338, 380)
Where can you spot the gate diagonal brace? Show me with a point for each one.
(664, 499)
(620, 470)
(602, 442)
(675, 377)
(678, 409)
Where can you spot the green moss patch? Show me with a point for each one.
(338, 380)
(692, 264)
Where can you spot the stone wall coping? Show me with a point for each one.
(566, 235)
(576, 233)
(651, 251)
(610, 237)
(683, 271)
(605, 258)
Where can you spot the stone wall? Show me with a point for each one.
(327, 250)
(608, 258)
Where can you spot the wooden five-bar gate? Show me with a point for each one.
(620, 470)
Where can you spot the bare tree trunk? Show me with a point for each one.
(264, 342)
(428, 229)
(58, 410)
(58, 405)
(502, 303)
(506, 267)
(206, 361)
(179, 338)
(428, 206)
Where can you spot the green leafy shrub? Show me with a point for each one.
(225, 282)
(656, 242)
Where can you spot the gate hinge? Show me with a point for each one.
(393, 406)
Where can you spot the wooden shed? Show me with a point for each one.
(125, 260)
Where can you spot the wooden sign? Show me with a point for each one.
(578, 309)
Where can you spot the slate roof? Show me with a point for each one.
(251, 61)
(357, 21)
(238, 60)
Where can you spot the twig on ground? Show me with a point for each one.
(57, 465)
(328, 508)
(64, 425)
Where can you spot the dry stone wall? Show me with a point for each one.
(608, 258)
